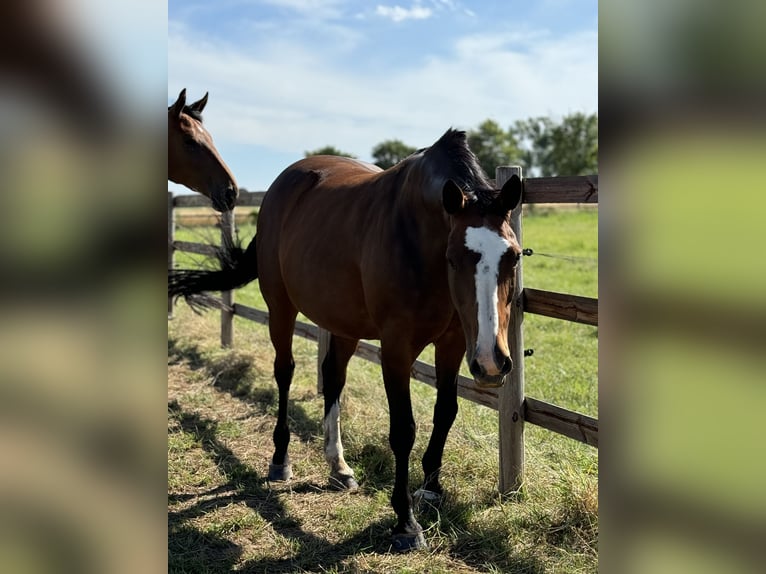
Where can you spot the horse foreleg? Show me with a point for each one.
(334, 379)
(407, 533)
(449, 354)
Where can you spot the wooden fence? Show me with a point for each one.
(514, 408)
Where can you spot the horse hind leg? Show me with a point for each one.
(281, 327)
(334, 369)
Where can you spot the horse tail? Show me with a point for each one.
(238, 267)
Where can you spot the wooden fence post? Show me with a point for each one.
(171, 249)
(227, 316)
(323, 347)
(510, 404)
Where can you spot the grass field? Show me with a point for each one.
(224, 516)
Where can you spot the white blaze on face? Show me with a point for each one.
(491, 247)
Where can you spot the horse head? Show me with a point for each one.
(193, 160)
(482, 252)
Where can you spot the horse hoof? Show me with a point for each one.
(343, 482)
(427, 498)
(280, 472)
(407, 542)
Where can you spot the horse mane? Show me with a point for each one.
(464, 168)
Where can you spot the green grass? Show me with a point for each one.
(224, 515)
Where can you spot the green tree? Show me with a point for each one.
(493, 146)
(569, 147)
(328, 150)
(534, 139)
(575, 145)
(390, 152)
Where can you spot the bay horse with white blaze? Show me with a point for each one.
(193, 160)
(420, 253)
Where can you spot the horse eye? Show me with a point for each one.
(451, 262)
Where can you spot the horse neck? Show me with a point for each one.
(175, 171)
(417, 189)
(418, 200)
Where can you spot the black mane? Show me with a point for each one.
(465, 168)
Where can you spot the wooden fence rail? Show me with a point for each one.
(515, 409)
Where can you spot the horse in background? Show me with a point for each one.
(420, 253)
(193, 160)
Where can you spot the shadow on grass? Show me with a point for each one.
(191, 549)
(479, 546)
(234, 375)
(190, 354)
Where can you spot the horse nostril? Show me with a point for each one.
(503, 361)
(507, 366)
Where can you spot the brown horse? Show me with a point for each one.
(193, 160)
(419, 253)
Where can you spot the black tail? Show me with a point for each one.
(238, 267)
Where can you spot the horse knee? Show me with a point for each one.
(402, 438)
(445, 412)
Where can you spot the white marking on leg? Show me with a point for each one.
(333, 448)
(491, 247)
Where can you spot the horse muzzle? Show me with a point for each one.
(501, 366)
(225, 199)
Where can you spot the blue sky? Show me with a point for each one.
(286, 76)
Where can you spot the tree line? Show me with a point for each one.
(540, 145)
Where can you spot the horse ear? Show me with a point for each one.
(178, 107)
(510, 194)
(453, 197)
(200, 104)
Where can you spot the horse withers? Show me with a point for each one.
(193, 160)
(420, 253)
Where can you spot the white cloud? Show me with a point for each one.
(399, 14)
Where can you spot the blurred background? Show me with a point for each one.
(683, 281)
(82, 280)
(82, 286)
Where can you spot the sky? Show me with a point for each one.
(288, 76)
